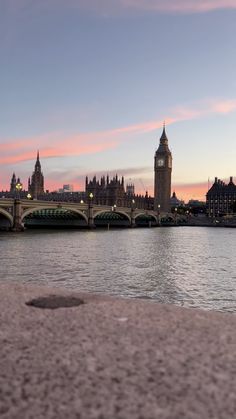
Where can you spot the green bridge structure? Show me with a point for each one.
(18, 214)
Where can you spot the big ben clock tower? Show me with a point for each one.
(162, 170)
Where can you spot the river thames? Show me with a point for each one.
(187, 266)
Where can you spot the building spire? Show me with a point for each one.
(37, 164)
(164, 139)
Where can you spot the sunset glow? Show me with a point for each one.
(90, 85)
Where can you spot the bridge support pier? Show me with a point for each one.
(132, 225)
(90, 217)
(17, 225)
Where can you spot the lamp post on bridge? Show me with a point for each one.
(187, 213)
(18, 189)
(90, 211)
(132, 213)
(158, 214)
(17, 209)
(176, 209)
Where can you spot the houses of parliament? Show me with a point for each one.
(109, 191)
(220, 198)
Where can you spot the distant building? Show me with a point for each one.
(36, 183)
(221, 198)
(196, 207)
(130, 189)
(175, 202)
(162, 172)
(68, 188)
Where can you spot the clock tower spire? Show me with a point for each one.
(162, 172)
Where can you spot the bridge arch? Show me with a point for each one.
(40, 208)
(168, 218)
(96, 213)
(7, 215)
(147, 215)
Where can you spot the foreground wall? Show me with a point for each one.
(112, 358)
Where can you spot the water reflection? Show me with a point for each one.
(193, 267)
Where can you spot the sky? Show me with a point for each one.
(89, 83)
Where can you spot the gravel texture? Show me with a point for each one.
(113, 358)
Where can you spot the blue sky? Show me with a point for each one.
(90, 83)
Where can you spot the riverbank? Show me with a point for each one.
(112, 358)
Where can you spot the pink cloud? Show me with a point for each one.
(224, 107)
(60, 150)
(15, 151)
(204, 109)
(181, 6)
(106, 7)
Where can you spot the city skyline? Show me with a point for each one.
(89, 85)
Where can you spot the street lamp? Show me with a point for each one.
(114, 207)
(90, 211)
(132, 213)
(29, 196)
(82, 202)
(187, 213)
(176, 215)
(18, 189)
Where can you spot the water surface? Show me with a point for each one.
(188, 266)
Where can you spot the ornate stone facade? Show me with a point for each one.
(112, 192)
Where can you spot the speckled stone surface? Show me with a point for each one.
(113, 358)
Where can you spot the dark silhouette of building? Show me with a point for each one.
(162, 174)
(36, 183)
(13, 184)
(221, 198)
(175, 202)
(112, 192)
(130, 189)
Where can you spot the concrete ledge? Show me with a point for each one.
(113, 358)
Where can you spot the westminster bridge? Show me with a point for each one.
(16, 214)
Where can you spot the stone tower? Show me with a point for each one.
(162, 171)
(36, 186)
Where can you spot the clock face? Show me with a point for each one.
(160, 162)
